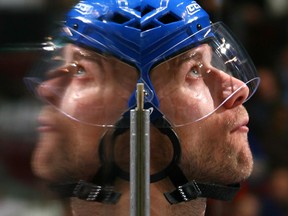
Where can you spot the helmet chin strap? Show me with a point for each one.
(100, 189)
(190, 190)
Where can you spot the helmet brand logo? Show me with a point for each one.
(84, 8)
(193, 8)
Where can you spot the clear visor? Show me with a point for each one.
(196, 83)
(88, 87)
(95, 89)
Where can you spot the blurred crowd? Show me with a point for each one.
(262, 27)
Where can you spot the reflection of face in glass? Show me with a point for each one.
(87, 89)
(84, 73)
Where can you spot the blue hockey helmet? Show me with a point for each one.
(148, 33)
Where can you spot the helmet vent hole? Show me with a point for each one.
(119, 18)
(147, 10)
(150, 26)
(169, 18)
(138, 8)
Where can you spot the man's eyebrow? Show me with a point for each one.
(80, 54)
(188, 56)
(83, 54)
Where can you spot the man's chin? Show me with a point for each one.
(43, 172)
(43, 168)
(241, 172)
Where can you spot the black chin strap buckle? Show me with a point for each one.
(184, 193)
(193, 190)
(91, 192)
(87, 191)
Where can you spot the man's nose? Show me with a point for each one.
(48, 92)
(235, 92)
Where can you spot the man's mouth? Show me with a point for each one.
(45, 125)
(241, 126)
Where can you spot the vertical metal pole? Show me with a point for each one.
(140, 157)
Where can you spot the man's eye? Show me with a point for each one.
(194, 72)
(77, 70)
(80, 71)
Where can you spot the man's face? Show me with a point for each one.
(82, 96)
(192, 94)
(205, 105)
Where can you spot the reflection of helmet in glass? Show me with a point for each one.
(142, 33)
